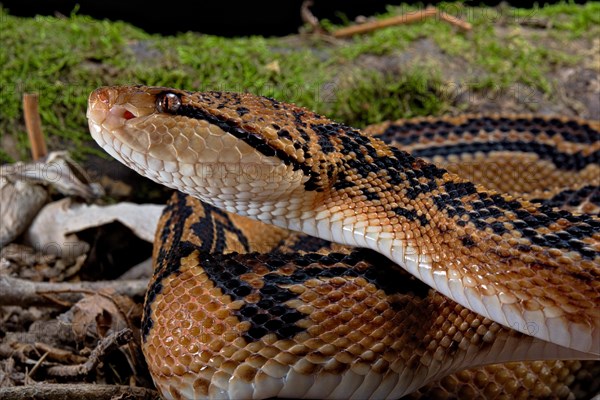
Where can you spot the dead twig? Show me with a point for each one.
(384, 23)
(36, 366)
(309, 18)
(24, 293)
(61, 355)
(33, 123)
(106, 346)
(429, 12)
(6, 371)
(451, 19)
(77, 391)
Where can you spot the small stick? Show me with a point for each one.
(37, 365)
(309, 18)
(397, 20)
(59, 354)
(107, 345)
(25, 293)
(402, 19)
(451, 19)
(77, 391)
(34, 126)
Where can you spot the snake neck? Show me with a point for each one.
(469, 243)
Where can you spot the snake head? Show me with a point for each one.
(235, 151)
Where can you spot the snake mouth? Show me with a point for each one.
(112, 115)
(103, 107)
(111, 108)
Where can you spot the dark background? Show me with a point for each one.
(224, 18)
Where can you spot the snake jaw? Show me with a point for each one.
(111, 111)
(112, 108)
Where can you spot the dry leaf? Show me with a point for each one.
(23, 189)
(95, 315)
(52, 231)
(20, 201)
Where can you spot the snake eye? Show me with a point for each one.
(168, 103)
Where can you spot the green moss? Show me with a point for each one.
(64, 59)
(386, 41)
(417, 92)
(41, 55)
(503, 50)
(507, 56)
(567, 18)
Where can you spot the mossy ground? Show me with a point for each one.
(396, 72)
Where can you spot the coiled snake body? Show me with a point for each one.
(442, 274)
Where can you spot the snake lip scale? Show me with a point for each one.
(516, 261)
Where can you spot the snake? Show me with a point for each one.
(449, 257)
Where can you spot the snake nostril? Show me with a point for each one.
(105, 95)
